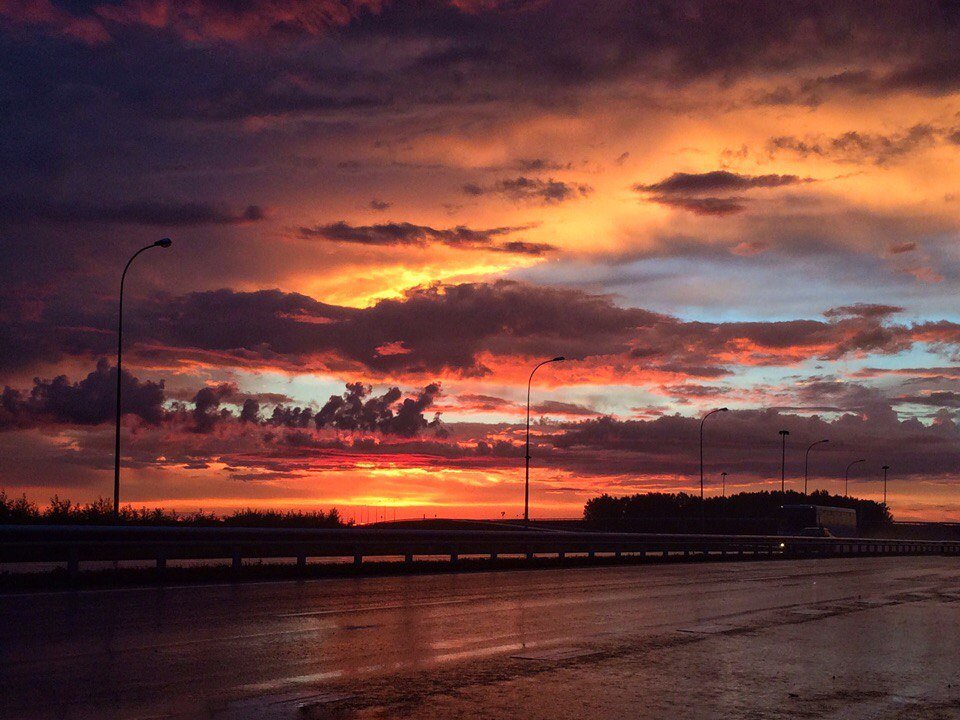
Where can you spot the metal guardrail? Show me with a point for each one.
(77, 544)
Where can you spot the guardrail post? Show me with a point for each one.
(561, 555)
(454, 557)
(357, 560)
(237, 559)
(408, 558)
(493, 557)
(591, 555)
(301, 561)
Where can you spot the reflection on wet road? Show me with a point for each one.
(250, 650)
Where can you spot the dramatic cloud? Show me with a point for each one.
(717, 181)
(745, 443)
(206, 406)
(694, 192)
(462, 328)
(358, 410)
(91, 401)
(532, 190)
(402, 233)
(857, 147)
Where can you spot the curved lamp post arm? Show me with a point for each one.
(526, 454)
(806, 463)
(702, 421)
(163, 243)
(846, 476)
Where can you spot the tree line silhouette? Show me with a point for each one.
(748, 512)
(22, 511)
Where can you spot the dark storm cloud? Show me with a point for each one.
(358, 409)
(401, 233)
(450, 328)
(90, 401)
(865, 310)
(716, 181)
(255, 59)
(938, 398)
(700, 193)
(532, 190)
(206, 406)
(404, 233)
(928, 76)
(149, 213)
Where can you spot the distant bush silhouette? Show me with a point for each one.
(757, 512)
(23, 511)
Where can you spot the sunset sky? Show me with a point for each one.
(699, 204)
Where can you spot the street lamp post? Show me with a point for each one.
(885, 468)
(526, 482)
(846, 477)
(702, 420)
(162, 243)
(783, 460)
(806, 463)
(723, 484)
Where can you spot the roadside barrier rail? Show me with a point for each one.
(76, 544)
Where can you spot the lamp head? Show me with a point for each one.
(164, 242)
(559, 358)
(722, 409)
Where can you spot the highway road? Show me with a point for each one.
(839, 638)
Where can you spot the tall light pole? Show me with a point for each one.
(723, 484)
(783, 460)
(885, 468)
(846, 477)
(806, 463)
(702, 420)
(526, 482)
(162, 243)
